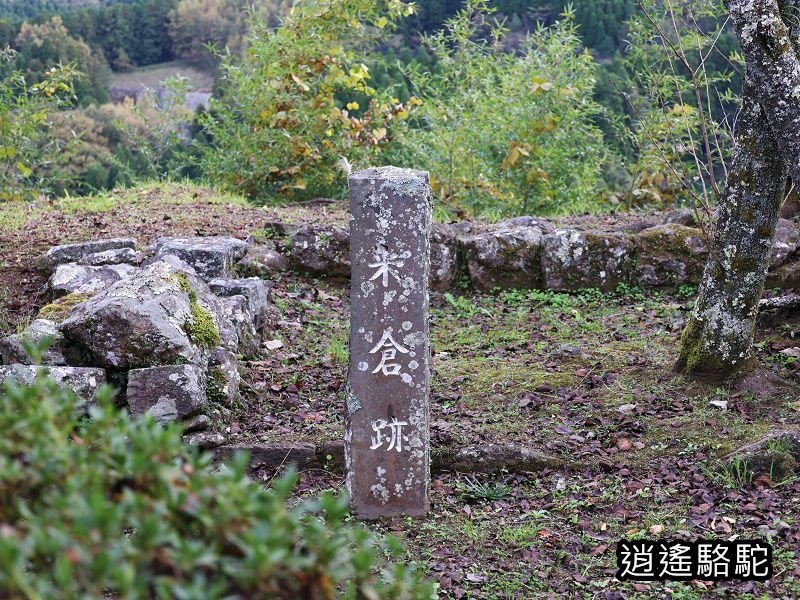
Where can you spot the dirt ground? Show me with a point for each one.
(584, 377)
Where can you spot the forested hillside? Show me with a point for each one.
(552, 101)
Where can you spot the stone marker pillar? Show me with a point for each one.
(387, 440)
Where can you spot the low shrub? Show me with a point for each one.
(110, 506)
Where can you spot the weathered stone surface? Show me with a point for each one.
(167, 393)
(210, 257)
(321, 251)
(83, 381)
(445, 257)
(256, 291)
(387, 447)
(262, 261)
(163, 314)
(272, 456)
(12, 351)
(785, 244)
(222, 384)
(670, 255)
(115, 256)
(494, 458)
(72, 278)
(681, 216)
(504, 258)
(527, 221)
(240, 334)
(572, 260)
(68, 253)
(205, 440)
(786, 276)
(198, 423)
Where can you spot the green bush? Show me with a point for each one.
(26, 147)
(113, 507)
(506, 133)
(289, 109)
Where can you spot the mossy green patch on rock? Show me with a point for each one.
(60, 309)
(200, 326)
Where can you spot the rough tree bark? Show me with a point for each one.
(719, 335)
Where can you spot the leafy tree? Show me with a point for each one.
(289, 111)
(45, 46)
(507, 133)
(26, 147)
(718, 338)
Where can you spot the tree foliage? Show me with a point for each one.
(289, 109)
(507, 133)
(26, 147)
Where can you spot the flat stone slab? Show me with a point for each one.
(13, 352)
(262, 261)
(83, 381)
(68, 253)
(72, 278)
(670, 255)
(302, 455)
(321, 250)
(167, 393)
(494, 458)
(211, 257)
(115, 256)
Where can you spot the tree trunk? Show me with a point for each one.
(718, 338)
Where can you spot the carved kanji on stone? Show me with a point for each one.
(387, 448)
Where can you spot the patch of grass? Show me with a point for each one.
(472, 490)
(153, 76)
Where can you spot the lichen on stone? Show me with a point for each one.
(58, 310)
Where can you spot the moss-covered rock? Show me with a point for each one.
(669, 256)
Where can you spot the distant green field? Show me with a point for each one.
(154, 75)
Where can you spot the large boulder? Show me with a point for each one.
(506, 257)
(321, 250)
(573, 260)
(73, 253)
(210, 257)
(444, 258)
(163, 314)
(84, 382)
(72, 278)
(12, 350)
(787, 240)
(168, 393)
(670, 255)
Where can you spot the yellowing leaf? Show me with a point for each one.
(24, 169)
(352, 106)
(379, 133)
(382, 22)
(538, 85)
